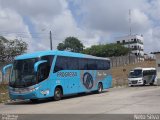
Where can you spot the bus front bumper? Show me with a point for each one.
(135, 82)
(22, 94)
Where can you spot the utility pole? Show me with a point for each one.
(130, 27)
(130, 33)
(50, 39)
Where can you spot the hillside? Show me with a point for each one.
(120, 73)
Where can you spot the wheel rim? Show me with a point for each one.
(58, 93)
(100, 88)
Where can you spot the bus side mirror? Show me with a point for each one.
(37, 64)
(5, 68)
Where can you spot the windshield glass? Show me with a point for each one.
(23, 74)
(135, 74)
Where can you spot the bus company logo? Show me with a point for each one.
(88, 80)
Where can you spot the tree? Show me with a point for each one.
(11, 48)
(71, 44)
(107, 50)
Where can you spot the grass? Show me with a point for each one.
(119, 77)
(3, 93)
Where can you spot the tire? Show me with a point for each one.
(152, 83)
(58, 94)
(144, 82)
(34, 100)
(100, 88)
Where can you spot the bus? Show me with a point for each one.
(55, 74)
(142, 76)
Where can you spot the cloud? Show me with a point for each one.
(112, 15)
(110, 18)
(92, 21)
(45, 16)
(12, 25)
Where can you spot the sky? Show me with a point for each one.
(91, 21)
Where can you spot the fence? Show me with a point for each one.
(124, 60)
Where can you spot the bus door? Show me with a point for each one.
(73, 74)
(67, 76)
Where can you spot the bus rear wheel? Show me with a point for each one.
(152, 83)
(100, 88)
(57, 94)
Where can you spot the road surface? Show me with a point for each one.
(130, 100)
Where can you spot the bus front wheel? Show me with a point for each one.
(58, 94)
(34, 100)
(144, 82)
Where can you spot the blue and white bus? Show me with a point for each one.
(57, 73)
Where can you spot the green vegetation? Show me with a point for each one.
(107, 50)
(71, 44)
(11, 48)
(8, 50)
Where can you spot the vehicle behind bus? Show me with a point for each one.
(57, 73)
(142, 76)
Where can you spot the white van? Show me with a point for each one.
(142, 76)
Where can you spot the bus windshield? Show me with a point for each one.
(23, 73)
(135, 74)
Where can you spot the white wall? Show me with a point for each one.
(158, 62)
(158, 68)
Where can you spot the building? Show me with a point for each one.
(135, 43)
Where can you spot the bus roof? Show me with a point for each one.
(56, 52)
(151, 68)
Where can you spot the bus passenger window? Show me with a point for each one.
(100, 65)
(43, 72)
(44, 68)
(72, 63)
(61, 64)
(83, 64)
(92, 64)
(106, 65)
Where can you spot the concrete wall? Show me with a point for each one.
(158, 67)
(124, 60)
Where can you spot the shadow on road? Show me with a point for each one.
(41, 101)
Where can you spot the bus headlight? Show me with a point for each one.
(34, 89)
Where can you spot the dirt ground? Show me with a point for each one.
(120, 74)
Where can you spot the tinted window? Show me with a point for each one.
(149, 72)
(106, 64)
(44, 68)
(83, 64)
(61, 64)
(100, 65)
(66, 63)
(72, 63)
(92, 64)
(49, 59)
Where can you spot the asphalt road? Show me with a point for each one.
(131, 100)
